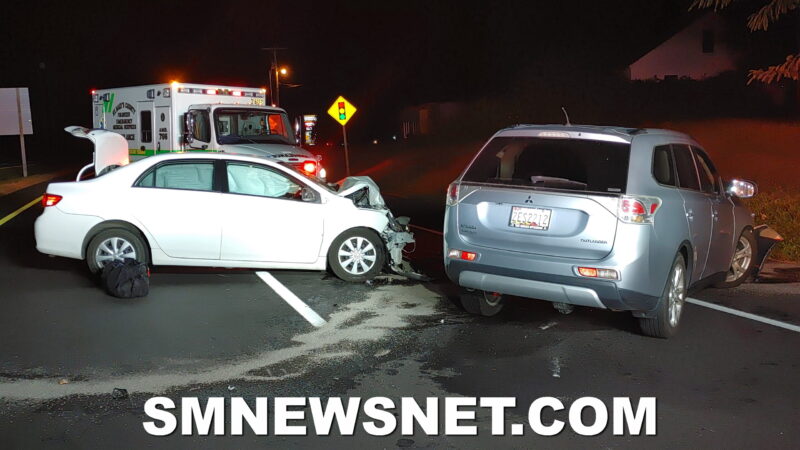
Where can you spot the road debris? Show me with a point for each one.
(548, 325)
(119, 393)
(556, 367)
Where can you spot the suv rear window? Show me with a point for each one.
(572, 164)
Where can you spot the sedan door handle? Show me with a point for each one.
(690, 215)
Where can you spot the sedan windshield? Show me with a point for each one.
(252, 126)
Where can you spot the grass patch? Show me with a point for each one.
(780, 209)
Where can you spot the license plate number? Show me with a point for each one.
(530, 218)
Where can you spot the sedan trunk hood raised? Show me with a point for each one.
(110, 149)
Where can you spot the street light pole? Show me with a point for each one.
(274, 97)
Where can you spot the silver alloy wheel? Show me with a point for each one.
(113, 249)
(492, 298)
(357, 255)
(741, 260)
(676, 295)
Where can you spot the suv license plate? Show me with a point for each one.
(530, 218)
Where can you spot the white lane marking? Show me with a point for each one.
(746, 315)
(427, 229)
(294, 301)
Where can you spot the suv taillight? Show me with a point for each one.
(452, 194)
(637, 209)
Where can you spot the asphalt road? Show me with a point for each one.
(723, 381)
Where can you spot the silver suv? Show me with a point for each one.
(607, 217)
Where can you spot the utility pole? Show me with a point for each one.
(274, 95)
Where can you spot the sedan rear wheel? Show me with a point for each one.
(115, 244)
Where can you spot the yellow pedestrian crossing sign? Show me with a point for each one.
(341, 110)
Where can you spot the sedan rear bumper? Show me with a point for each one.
(61, 234)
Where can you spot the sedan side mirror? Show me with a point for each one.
(741, 188)
(308, 195)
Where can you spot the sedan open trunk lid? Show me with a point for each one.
(110, 149)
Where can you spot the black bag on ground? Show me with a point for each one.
(126, 279)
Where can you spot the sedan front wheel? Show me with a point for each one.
(356, 255)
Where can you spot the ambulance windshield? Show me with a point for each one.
(252, 126)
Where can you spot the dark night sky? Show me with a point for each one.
(382, 55)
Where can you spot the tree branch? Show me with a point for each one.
(705, 4)
(789, 69)
(769, 13)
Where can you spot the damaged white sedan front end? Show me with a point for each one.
(365, 194)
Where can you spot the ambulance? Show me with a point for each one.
(179, 117)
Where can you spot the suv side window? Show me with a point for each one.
(709, 180)
(684, 163)
(186, 175)
(663, 167)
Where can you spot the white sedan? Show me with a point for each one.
(218, 210)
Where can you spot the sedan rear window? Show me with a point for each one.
(572, 164)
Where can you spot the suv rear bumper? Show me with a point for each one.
(550, 287)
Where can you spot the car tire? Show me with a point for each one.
(742, 262)
(482, 303)
(667, 316)
(115, 243)
(357, 255)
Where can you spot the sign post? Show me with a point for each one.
(341, 110)
(22, 137)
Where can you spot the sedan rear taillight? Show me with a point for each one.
(50, 200)
(637, 209)
(452, 194)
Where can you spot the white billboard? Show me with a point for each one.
(10, 111)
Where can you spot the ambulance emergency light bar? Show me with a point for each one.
(231, 92)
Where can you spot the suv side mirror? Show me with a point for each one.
(741, 188)
(188, 127)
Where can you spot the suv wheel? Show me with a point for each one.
(481, 302)
(742, 261)
(668, 312)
